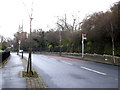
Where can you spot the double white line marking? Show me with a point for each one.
(93, 71)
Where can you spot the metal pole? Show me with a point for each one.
(60, 43)
(113, 47)
(82, 46)
(22, 54)
(113, 53)
(19, 47)
(17, 50)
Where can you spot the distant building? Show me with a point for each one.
(35, 34)
(21, 34)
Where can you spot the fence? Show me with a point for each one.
(4, 56)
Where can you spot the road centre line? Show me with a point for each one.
(93, 71)
(66, 63)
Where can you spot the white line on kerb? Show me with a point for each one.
(93, 70)
(66, 62)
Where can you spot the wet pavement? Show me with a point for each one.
(10, 73)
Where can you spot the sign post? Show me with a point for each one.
(19, 42)
(83, 37)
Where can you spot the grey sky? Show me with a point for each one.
(14, 12)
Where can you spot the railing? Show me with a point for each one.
(4, 56)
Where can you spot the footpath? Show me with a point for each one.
(33, 82)
(93, 59)
(11, 75)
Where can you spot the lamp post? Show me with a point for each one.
(60, 42)
(113, 46)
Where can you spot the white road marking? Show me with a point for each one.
(93, 70)
(66, 63)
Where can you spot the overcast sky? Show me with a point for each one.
(15, 12)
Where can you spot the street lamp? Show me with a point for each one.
(60, 42)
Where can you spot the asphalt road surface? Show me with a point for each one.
(61, 72)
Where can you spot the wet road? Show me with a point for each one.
(61, 72)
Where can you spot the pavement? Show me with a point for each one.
(91, 58)
(11, 75)
(33, 82)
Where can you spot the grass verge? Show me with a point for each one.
(95, 61)
(29, 74)
(1, 51)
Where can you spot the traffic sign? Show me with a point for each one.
(84, 34)
(19, 42)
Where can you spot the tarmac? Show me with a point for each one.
(11, 75)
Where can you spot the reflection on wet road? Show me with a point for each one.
(61, 72)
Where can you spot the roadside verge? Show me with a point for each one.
(104, 59)
(92, 60)
(33, 82)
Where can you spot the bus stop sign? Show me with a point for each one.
(19, 42)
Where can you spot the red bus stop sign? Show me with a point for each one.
(84, 34)
(19, 42)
